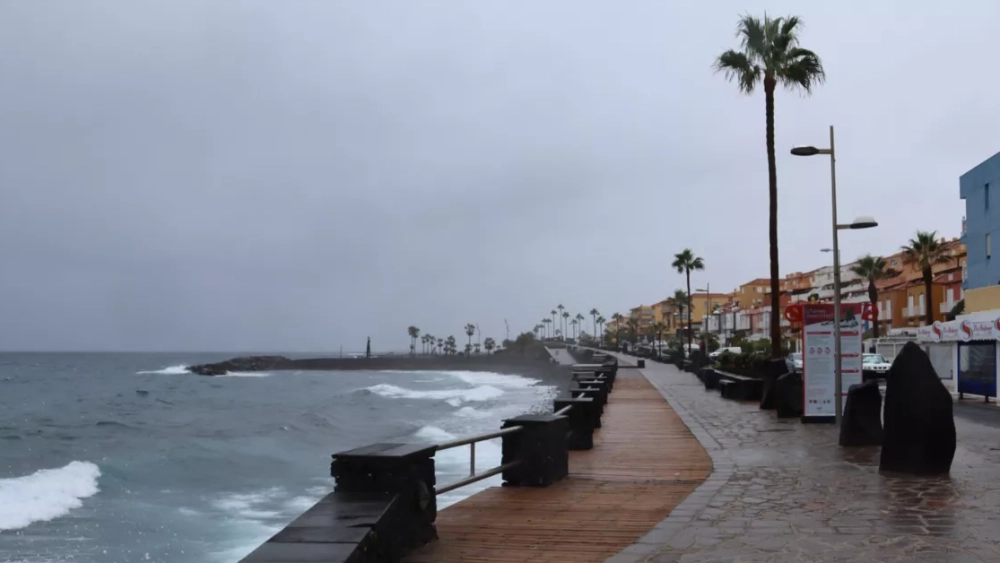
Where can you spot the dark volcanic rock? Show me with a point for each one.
(769, 393)
(788, 395)
(862, 422)
(919, 435)
(248, 363)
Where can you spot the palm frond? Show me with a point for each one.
(736, 67)
(802, 69)
(751, 33)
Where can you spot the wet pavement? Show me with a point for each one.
(785, 491)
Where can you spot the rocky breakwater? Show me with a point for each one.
(244, 364)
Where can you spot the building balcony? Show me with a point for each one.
(947, 306)
(914, 311)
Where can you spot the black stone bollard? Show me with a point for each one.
(862, 423)
(919, 436)
(769, 392)
(640, 363)
(406, 470)
(539, 447)
(788, 399)
(583, 417)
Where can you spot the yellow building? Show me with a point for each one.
(643, 315)
(703, 303)
(666, 312)
(753, 293)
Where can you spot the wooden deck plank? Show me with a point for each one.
(644, 463)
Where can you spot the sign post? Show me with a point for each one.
(819, 356)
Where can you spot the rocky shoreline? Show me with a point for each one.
(530, 365)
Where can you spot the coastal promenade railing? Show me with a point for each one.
(384, 503)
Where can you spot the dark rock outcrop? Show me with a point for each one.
(919, 435)
(248, 363)
(862, 422)
(788, 395)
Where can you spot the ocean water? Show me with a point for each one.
(126, 457)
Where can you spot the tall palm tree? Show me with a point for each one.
(680, 299)
(594, 313)
(440, 346)
(561, 309)
(414, 332)
(633, 329)
(600, 323)
(658, 329)
(565, 322)
(450, 345)
(574, 323)
(470, 330)
(546, 324)
(925, 251)
(770, 55)
(873, 269)
(553, 312)
(684, 262)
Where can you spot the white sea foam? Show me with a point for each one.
(245, 374)
(454, 397)
(251, 505)
(493, 379)
(46, 494)
(470, 412)
(172, 370)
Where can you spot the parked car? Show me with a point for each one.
(794, 363)
(874, 365)
(730, 349)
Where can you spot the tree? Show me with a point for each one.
(633, 329)
(658, 329)
(468, 349)
(684, 262)
(575, 323)
(489, 344)
(562, 313)
(594, 313)
(440, 345)
(770, 55)
(925, 251)
(548, 326)
(565, 321)
(680, 300)
(414, 332)
(470, 329)
(523, 341)
(600, 323)
(553, 325)
(476, 347)
(451, 345)
(873, 269)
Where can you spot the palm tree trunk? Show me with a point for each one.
(690, 334)
(772, 227)
(873, 297)
(595, 324)
(928, 302)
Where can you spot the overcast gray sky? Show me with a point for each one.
(192, 175)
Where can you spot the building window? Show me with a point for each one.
(987, 197)
(988, 249)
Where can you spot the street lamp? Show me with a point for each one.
(705, 317)
(863, 222)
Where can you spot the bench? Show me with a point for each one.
(709, 377)
(739, 387)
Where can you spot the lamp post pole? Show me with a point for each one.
(838, 374)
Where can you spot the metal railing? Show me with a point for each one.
(471, 442)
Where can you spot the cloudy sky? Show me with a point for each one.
(261, 175)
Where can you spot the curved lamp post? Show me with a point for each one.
(863, 222)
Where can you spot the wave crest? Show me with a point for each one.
(46, 494)
(453, 397)
(171, 370)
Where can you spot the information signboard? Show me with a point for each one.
(818, 356)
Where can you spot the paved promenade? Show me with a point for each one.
(784, 491)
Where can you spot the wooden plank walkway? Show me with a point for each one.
(645, 462)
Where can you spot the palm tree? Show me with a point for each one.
(440, 345)
(553, 313)
(562, 310)
(537, 328)
(658, 329)
(565, 322)
(925, 251)
(873, 269)
(600, 322)
(414, 332)
(489, 344)
(684, 262)
(633, 328)
(450, 345)
(594, 313)
(548, 326)
(769, 54)
(574, 324)
(470, 330)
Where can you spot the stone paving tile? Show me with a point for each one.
(783, 491)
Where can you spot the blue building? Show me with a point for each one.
(980, 188)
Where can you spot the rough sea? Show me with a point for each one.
(128, 458)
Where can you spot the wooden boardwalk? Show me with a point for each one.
(644, 463)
